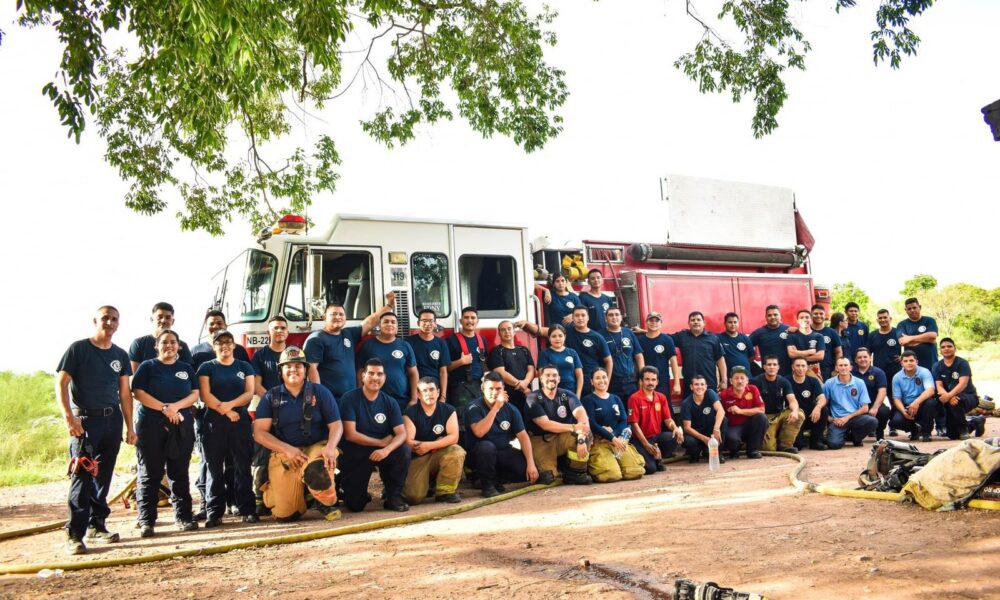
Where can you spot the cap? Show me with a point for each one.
(654, 315)
(221, 334)
(291, 354)
(739, 369)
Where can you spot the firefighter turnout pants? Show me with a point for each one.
(285, 493)
(781, 433)
(445, 465)
(547, 448)
(605, 467)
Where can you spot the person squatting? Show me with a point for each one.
(601, 405)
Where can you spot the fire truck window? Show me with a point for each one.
(430, 283)
(490, 284)
(247, 290)
(346, 280)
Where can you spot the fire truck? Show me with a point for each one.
(725, 247)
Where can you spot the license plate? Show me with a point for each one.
(257, 340)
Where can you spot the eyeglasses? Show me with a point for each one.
(425, 321)
(225, 343)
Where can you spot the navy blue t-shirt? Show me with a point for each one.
(608, 417)
(96, 374)
(949, 376)
(430, 355)
(560, 307)
(396, 356)
(478, 358)
(167, 383)
(506, 424)
(290, 411)
(699, 355)
(374, 418)
(429, 428)
(702, 416)
(657, 352)
(200, 357)
(334, 357)
(592, 348)
(773, 342)
(737, 349)
(807, 392)
(773, 393)
(885, 349)
(559, 409)
(623, 346)
(832, 341)
(856, 336)
(144, 348)
(566, 360)
(598, 307)
(226, 382)
(874, 379)
(812, 341)
(265, 366)
(926, 353)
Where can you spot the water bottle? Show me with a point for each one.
(713, 454)
(626, 435)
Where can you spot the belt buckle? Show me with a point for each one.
(108, 411)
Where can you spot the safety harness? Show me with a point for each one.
(308, 407)
(464, 345)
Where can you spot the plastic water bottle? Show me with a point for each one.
(626, 435)
(713, 454)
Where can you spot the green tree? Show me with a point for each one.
(842, 293)
(196, 95)
(918, 284)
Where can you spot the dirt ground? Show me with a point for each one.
(742, 527)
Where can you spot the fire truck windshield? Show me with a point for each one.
(243, 288)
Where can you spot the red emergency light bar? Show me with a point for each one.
(291, 224)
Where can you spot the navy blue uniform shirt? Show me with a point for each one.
(374, 418)
(856, 335)
(226, 382)
(812, 341)
(623, 346)
(773, 342)
(926, 353)
(699, 355)
(265, 366)
(592, 348)
(773, 393)
(598, 308)
(948, 376)
(429, 428)
(430, 355)
(832, 341)
(566, 360)
(874, 378)
(885, 349)
(657, 352)
(290, 411)
(737, 349)
(144, 348)
(96, 373)
(334, 357)
(167, 383)
(560, 307)
(559, 409)
(506, 424)
(470, 372)
(807, 392)
(396, 356)
(702, 416)
(608, 417)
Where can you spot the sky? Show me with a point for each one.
(894, 171)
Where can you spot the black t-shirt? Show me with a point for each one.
(559, 409)
(374, 418)
(810, 341)
(514, 360)
(506, 424)
(807, 392)
(265, 366)
(429, 428)
(699, 355)
(773, 393)
(949, 376)
(96, 373)
(702, 416)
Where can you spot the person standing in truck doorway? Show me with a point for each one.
(596, 301)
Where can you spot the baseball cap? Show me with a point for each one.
(221, 334)
(654, 315)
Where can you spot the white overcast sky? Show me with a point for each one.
(894, 171)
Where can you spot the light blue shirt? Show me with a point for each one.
(845, 398)
(907, 388)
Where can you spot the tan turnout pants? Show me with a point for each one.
(284, 493)
(781, 433)
(546, 450)
(605, 468)
(445, 463)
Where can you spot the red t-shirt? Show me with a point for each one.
(649, 414)
(750, 399)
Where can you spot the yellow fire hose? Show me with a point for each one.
(793, 478)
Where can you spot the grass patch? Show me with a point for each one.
(35, 441)
(985, 361)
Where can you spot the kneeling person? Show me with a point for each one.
(559, 427)
(494, 425)
(432, 434)
(612, 458)
(655, 434)
(780, 406)
(703, 418)
(745, 414)
(374, 438)
(849, 405)
(299, 423)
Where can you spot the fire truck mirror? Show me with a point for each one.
(314, 277)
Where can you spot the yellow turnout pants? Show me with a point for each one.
(284, 493)
(605, 468)
(445, 463)
(546, 450)
(781, 433)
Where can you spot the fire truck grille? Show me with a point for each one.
(403, 312)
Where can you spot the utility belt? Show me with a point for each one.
(107, 411)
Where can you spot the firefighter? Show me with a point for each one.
(701, 353)
(831, 339)
(397, 358)
(956, 393)
(612, 458)
(745, 415)
(514, 365)
(913, 398)
(430, 351)
(330, 351)
(812, 404)
(227, 385)
(561, 302)
(145, 347)
(808, 344)
(95, 399)
(267, 375)
(780, 406)
(626, 353)
(432, 434)
(468, 352)
(849, 405)
(771, 339)
(878, 386)
(556, 353)
(596, 300)
(856, 331)
(559, 430)
(659, 351)
(165, 387)
(736, 346)
(215, 320)
(703, 417)
(374, 438)
(298, 422)
(494, 425)
(655, 434)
